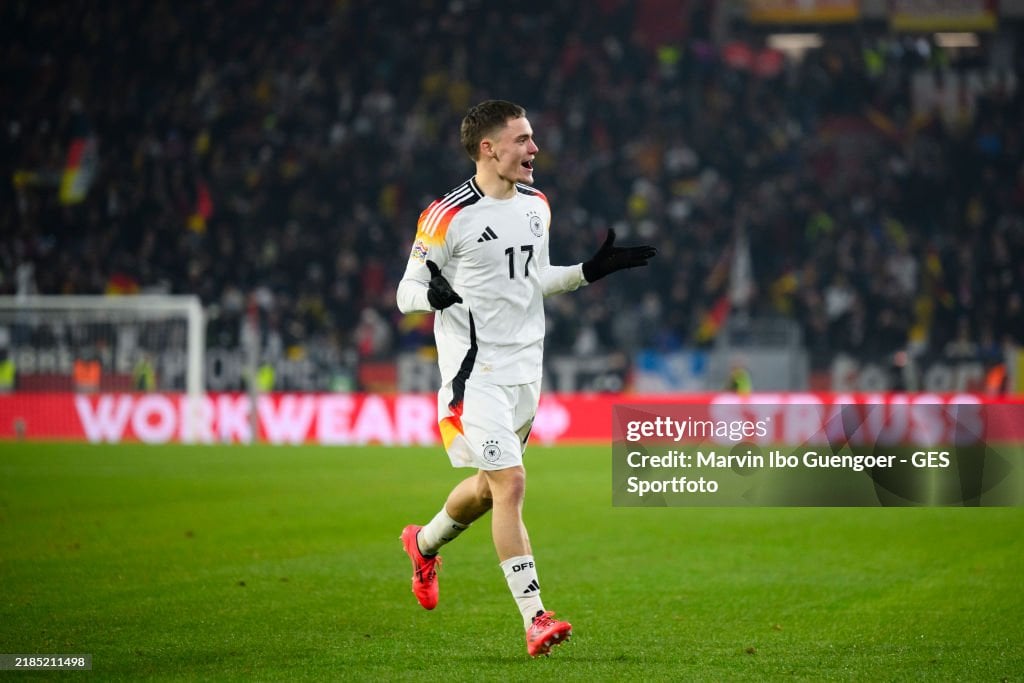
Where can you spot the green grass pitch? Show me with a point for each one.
(262, 563)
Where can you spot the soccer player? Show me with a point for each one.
(480, 260)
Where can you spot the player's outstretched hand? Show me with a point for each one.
(610, 258)
(440, 293)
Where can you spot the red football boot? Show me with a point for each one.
(424, 569)
(545, 632)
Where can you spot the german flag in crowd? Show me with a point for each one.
(81, 162)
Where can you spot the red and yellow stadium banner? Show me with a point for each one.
(943, 15)
(802, 11)
(411, 419)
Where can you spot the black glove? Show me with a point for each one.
(440, 293)
(610, 258)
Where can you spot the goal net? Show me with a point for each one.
(56, 350)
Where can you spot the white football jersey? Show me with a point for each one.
(494, 252)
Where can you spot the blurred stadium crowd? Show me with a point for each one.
(277, 155)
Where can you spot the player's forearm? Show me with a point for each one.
(558, 279)
(412, 297)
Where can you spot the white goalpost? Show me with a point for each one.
(105, 344)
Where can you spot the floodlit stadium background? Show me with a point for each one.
(836, 187)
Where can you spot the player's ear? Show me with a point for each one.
(487, 148)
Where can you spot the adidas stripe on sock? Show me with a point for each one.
(521, 575)
(438, 531)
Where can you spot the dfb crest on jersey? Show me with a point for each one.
(536, 224)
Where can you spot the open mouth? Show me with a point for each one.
(528, 164)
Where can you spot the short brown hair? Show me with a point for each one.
(483, 119)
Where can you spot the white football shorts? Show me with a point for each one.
(490, 427)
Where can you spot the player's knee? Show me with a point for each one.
(508, 485)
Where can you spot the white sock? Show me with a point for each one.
(438, 531)
(521, 575)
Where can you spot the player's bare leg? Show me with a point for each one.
(512, 543)
(507, 488)
(470, 499)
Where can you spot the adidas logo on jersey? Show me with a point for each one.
(532, 588)
(487, 235)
